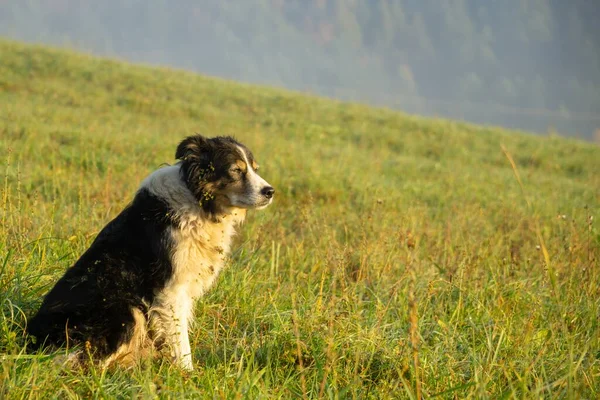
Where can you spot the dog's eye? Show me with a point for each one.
(237, 170)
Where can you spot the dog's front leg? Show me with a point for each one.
(182, 349)
(170, 316)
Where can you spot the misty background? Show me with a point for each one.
(529, 64)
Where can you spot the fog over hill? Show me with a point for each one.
(530, 64)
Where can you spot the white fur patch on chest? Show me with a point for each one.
(200, 249)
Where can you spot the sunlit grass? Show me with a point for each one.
(373, 208)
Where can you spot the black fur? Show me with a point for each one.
(124, 266)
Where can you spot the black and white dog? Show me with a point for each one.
(134, 288)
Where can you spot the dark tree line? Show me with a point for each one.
(530, 64)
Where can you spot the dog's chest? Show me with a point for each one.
(199, 254)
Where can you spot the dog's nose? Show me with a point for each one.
(267, 191)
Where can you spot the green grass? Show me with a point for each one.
(401, 254)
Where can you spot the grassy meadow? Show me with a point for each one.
(403, 257)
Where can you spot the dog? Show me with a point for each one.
(133, 289)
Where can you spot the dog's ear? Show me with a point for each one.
(192, 147)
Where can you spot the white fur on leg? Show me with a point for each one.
(170, 317)
(184, 357)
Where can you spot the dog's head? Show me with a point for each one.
(222, 173)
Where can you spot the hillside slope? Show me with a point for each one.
(373, 208)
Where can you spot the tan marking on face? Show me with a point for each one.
(242, 165)
(254, 165)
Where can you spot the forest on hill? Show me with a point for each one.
(531, 64)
